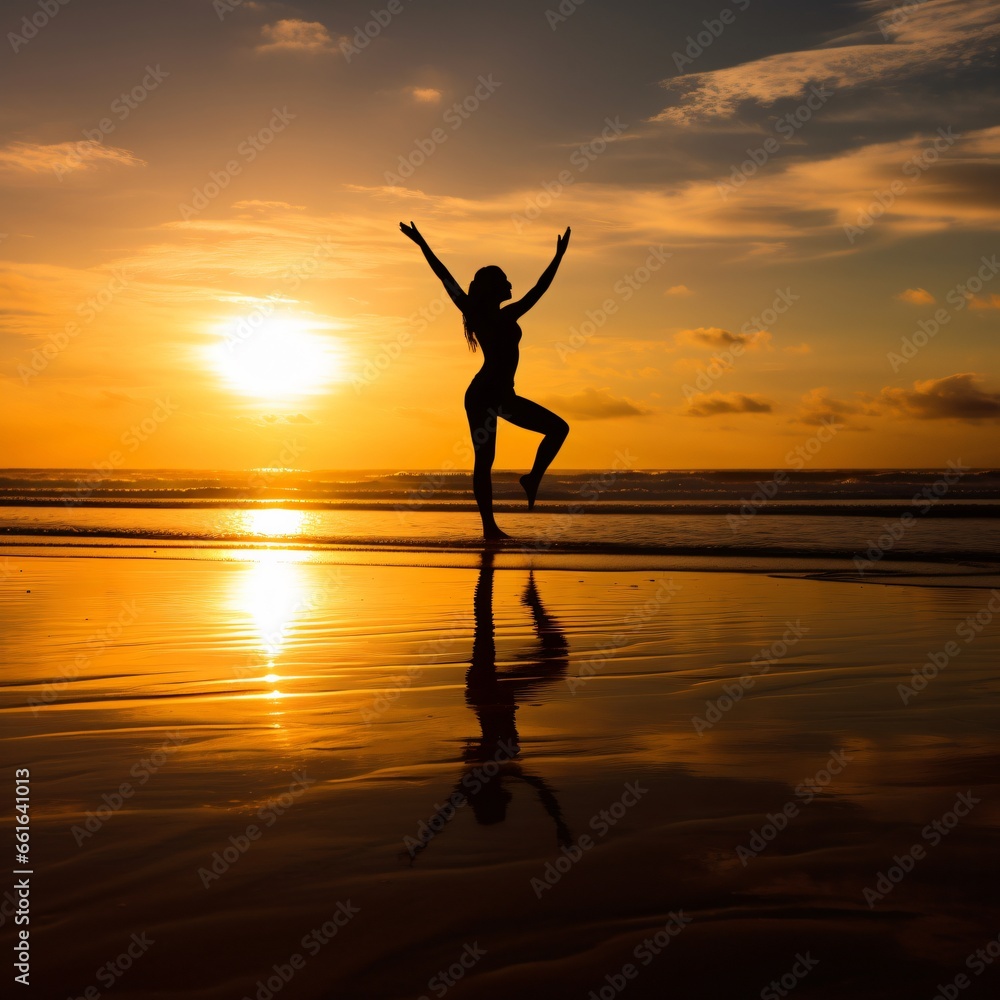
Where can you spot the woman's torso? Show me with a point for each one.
(498, 336)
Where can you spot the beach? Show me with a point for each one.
(263, 770)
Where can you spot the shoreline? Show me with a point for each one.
(909, 569)
(972, 507)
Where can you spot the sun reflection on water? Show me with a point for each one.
(271, 522)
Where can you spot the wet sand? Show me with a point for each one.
(367, 774)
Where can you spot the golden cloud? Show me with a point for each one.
(946, 34)
(597, 404)
(917, 297)
(954, 397)
(713, 404)
(294, 35)
(64, 157)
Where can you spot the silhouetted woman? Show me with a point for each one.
(491, 393)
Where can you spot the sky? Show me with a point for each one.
(784, 220)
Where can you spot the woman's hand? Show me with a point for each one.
(413, 233)
(562, 242)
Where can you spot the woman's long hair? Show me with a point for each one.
(481, 296)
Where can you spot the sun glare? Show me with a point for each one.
(278, 358)
(272, 521)
(273, 593)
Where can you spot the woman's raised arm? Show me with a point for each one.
(452, 287)
(519, 308)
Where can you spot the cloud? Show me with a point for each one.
(712, 404)
(984, 302)
(954, 397)
(819, 407)
(269, 243)
(293, 35)
(802, 348)
(597, 404)
(794, 208)
(678, 290)
(715, 338)
(425, 95)
(917, 297)
(257, 204)
(939, 35)
(63, 157)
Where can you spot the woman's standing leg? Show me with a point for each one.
(483, 428)
(533, 417)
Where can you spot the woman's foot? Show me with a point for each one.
(494, 534)
(530, 487)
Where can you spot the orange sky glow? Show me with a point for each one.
(789, 233)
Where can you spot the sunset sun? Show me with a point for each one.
(278, 358)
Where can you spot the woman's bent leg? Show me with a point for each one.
(533, 417)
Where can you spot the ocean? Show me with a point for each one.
(875, 515)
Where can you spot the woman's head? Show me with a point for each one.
(488, 289)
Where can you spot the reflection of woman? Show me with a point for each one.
(494, 697)
(491, 393)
